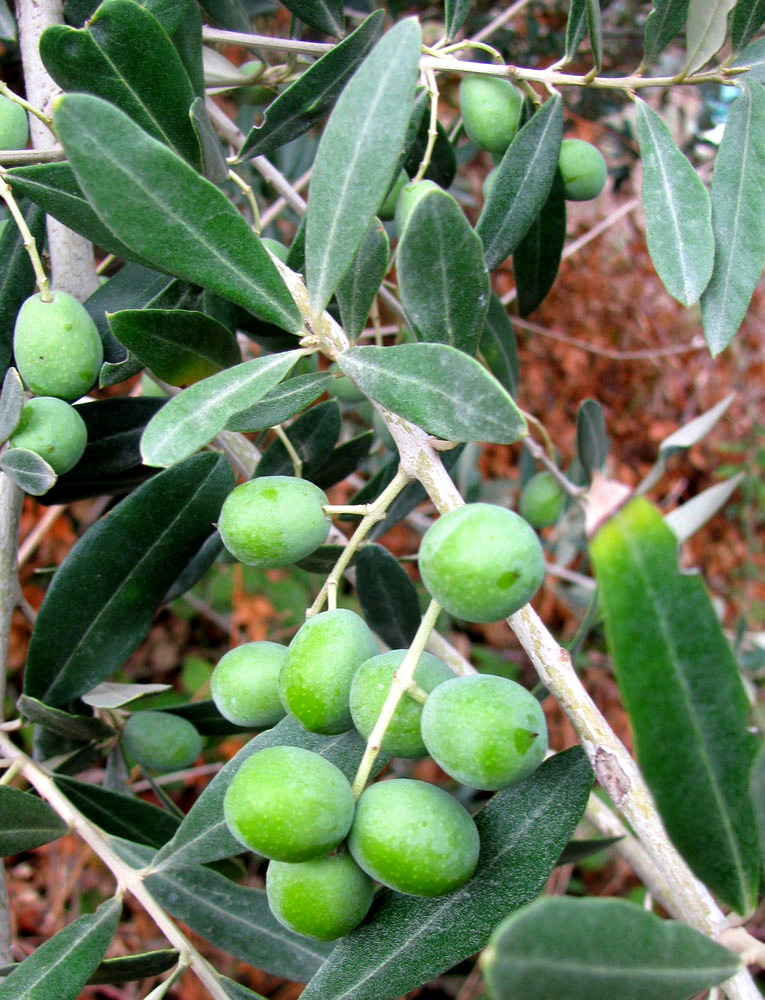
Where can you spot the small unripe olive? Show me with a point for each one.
(409, 197)
(387, 210)
(324, 898)
(485, 731)
(541, 500)
(481, 562)
(369, 690)
(273, 521)
(52, 429)
(57, 347)
(244, 684)
(491, 111)
(582, 168)
(289, 804)
(315, 681)
(277, 249)
(161, 741)
(14, 125)
(414, 837)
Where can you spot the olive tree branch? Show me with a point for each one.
(30, 244)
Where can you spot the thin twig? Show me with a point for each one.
(641, 354)
(39, 531)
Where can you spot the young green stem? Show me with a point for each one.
(297, 461)
(430, 79)
(29, 241)
(30, 108)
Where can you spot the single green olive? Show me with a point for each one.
(161, 741)
(491, 111)
(369, 690)
(52, 429)
(324, 898)
(410, 196)
(414, 837)
(57, 347)
(485, 731)
(541, 500)
(14, 125)
(582, 168)
(387, 210)
(244, 684)
(315, 681)
(273, 521)
(481, 562)
(289, 804)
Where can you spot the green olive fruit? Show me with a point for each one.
(541, 500)
(253, 68)
(414, 837)
(277, 249)
(481, 562)
(289, 804)
(410, 195)
(52, 429)
(485, 731)
(387, 210)
(14, 125)
(491, 111)
(324, 898)
(315, 681)
(244, 684)
(57, 347)
(369, 690)
(273, 521)
(161, 741)
(583, 170)
(345, 389)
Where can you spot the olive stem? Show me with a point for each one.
(297, 461)
(45, 119)
(400, 684)
(41, 278)
(430, 79)
(249, 194)
(349, 508)
(543, 456)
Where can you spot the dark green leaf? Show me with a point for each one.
(757, 791)
(324, 15)
(11, 403)
(356, 292)
(61, 966)
(577, 850)
(537, 259)
(443, 160)
(180, 346)
(344, 460)
(75, 727)
(313, 435)
(595, 31)
(26, 822)
(748, 18)
(439, 388)
(228, 14)
(738, 219)
(357, 157)
(281, 403)
(206, 718)
(236, 991)
(125, 57)
(120, 815)
(406, 941)
(27, 470)
(682, 690)
(8, 32)
(576, 948)
(677, 210)
(455, 13)
(705, 29)
(17, 277)
(323, 559)
(388, 597)
(522, 183)
(168, 214)
(753, 56)
(313, 94)
(442, 276)
(237, 919)
(591, 437)
(84, 632)
(193, 417)
(196, 568)
(498, 346)
(182, 21)
(214, 165)
(661, 26)
(130, 968)
(576, 27)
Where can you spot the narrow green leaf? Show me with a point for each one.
(705, 30)
(577, 850)
(324, 15)
(130, 968)
(682, 690)
(498, 346)
(236, 991)
(455, 12)
(166, 212)
(686, 519)
(757, 791)
(537, 259)
(17, 277)
(595, 31)
(312, 95)
(83, 633)
(753, 56)
(8, 32)
(738, 219)
(388, 597)
(180, 346)
(206, 718)
(695, 430)
(576, 27)
(193, 417)
(26, 822)
(357, 291)
(662, 25)
(281, 403)
(357, 157)
(228, 14)
(443, 160)
(442, 276)
(111, 694)
(313, 435)
(125, 57)
(748, 18)
(591, 436)
(74, 727)
(11, 403)
(523, 181)
(344, 460)
(28, 471)
(182, 22)
(406, 940)
(576, 948)
(196, 567)
(439, 388)
(677, 210)
(214, 164)
(61, 967)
